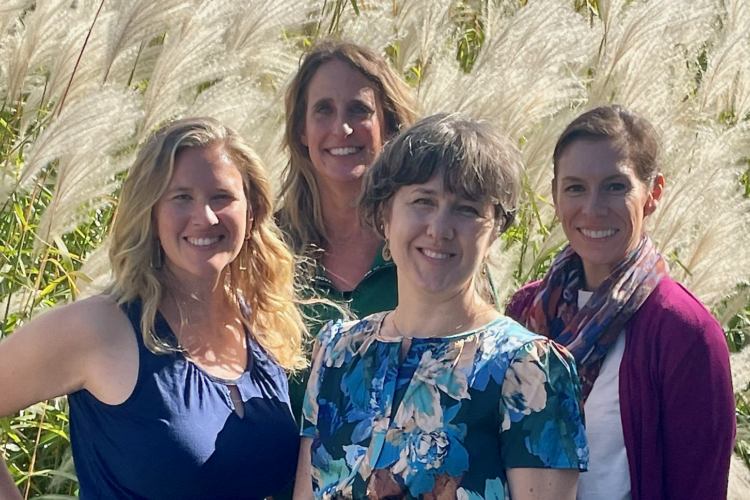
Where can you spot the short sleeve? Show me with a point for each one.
(321, 350)
(541, 410)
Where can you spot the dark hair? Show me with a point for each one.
(475, 161)
(632, 135)
(300, 214)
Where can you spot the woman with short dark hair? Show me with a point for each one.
(653, 362)
(442, 397)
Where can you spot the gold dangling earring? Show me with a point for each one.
(386, 253)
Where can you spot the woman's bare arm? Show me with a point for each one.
(79, 346)
(543, 484)
(303, 481)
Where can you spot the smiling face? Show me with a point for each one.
(601, 204)
(344, 125)
(202, 216)
(438, 240)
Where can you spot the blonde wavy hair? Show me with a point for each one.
(300, 213)
(260, 280)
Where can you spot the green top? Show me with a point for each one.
(376, 292)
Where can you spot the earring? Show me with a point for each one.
(156, 258)
(386, 253)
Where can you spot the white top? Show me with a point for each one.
(608, 477)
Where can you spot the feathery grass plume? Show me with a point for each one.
(87, 127)
(259, 26)
(96, 272)
(11, 10)
(642, 54)
(703, 219)
(735, 15)
(138, 21)
(422, 32)
(374, 26)
(740, 362)
(32, 42)
(255, 111)
(75, 57)
(739, 478)
(724, 89)
(193, 54)
(525, 71)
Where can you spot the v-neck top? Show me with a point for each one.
(178, 434)
(453, 416)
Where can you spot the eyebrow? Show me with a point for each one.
(357, 100)
(422, 190)
(573, 178)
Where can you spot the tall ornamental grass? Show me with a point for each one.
(83, 83)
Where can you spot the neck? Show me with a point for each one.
(198, 302)
(420, 315)
(339, 206)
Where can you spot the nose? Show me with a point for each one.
(205, 214)
(594, 205)
(342, 125)
(441, 225)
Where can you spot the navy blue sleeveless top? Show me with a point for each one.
(178, 436)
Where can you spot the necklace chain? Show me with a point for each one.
(471, 320)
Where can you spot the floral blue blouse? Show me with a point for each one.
(447, 421)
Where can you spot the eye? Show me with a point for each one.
(423, 201)
(468, 210)
(323, 109)
(182, 197)
(574, 188)
(617, 187)
(361, 109)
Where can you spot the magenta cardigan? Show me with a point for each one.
(676, 398)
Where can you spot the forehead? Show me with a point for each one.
(339, 80)
(438, 186)
(203, 167)
(592, 159)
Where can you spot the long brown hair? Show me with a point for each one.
(300, 214)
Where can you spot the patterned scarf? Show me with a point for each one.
(589, 332)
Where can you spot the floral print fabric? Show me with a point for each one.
(447, 421)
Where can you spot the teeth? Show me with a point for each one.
(202, 242)
(435, 255)
(598, 234)
(343, 151)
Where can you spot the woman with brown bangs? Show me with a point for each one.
(443, 397)
(175, 374)
(343, 104)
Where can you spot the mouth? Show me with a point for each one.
(204, 242)
(345, 151)
(432, 254)
(598, 234)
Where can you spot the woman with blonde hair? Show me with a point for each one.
(343, 104)
(175, 374)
